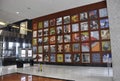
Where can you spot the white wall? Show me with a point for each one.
(114, 19)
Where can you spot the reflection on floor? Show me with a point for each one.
(26, 77)
(77, 73)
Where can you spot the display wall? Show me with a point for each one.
(78, 36)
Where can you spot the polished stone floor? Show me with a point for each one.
(77, 73)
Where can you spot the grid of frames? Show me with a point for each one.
(82, 37)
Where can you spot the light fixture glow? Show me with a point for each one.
(2, 23)
(17, 12)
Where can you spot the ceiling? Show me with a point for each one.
(29, 9)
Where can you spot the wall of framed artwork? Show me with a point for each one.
(78, 36)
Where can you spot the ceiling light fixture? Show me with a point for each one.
(17, 12)
(2, 23)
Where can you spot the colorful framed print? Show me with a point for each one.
(84, 26)
(46, 58)
(75, 18)
(85, 47)
(67, 38)
(103, 12)
(45, 32)
(45, 40)
(106, 58)
(66, 19)
(40, 41)
(94, 35)
(96, 58)
(52, 48)
(46, 49)
(34, 41)
(40, 57)
(84, 36)
(34, 49)
(85, 58)
(105, 34)
(34, 26)
(93, 14)
(59, 57)
(94, 24)
(67, 29)
(40, 25)
(106, 46)
(59, 21)
(52, 31)
(52, 22)
(60, 39)
(67, 48)
(75, 27)
(52, 58)
(104, 23)
(68, 58)
(34, 33)
(52, 39)
(40, 50)
(59, 30)
(76, 47)
(75, 37)
(40, 34)
(95, 46)
(35, 57)
(46, 24)
(60, 48)
(83, 16)
(76, 57)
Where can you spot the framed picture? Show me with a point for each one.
(59, 21)
(34, 33)
(85, 47)
(52, 40)
(52, 31)
(76, 47)
(75, 37)
(94, 35)
(46, 58)
(96, 58)
(40, 25)
(60, 39)
(93, 14)
(66, 19)
(52, 48)
(75, 18)
(45, 41)
(106, 57)
(34, 41)
(52, 57)
(40, 41)
(46, 24)
(75, 27)
(103, 12)
(40, 49)
(40, 33)
(104, 23)
(67, 28)
(94, 24)
(23, 53)
(67, 38)
(84, 26)
(40, 57)
(52, 22)
(105, 34)
(35, 57)
(60, 48)
(67, 48)
(59, 30)
(84, 36)
(34, 26)
(83, 16)
(95, 46)
(68, 58)
(34, 49)
(46, 48)
(85, 58)
(59, 57)
(45, 32)
(106, 46)
(76, 57)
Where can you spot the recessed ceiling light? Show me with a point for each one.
(17, 12)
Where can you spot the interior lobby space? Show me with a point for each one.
(59, 40)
